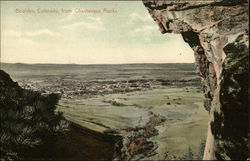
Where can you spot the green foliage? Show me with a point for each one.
(189, 155)
(201, 148)
(26, 118)
(231, 125)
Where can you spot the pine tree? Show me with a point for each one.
(26, 118)
(201, 148)
(189, 155)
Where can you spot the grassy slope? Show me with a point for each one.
(186, 118)
(79, 144)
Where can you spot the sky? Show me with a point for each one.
(103, 32)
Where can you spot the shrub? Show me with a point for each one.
(201, 148)
(189, 155)
(26, 118)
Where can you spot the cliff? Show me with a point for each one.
(217, 31)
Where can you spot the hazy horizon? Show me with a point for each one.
(128, 35)
(89, 64)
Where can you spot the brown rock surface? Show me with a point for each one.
(217, 31)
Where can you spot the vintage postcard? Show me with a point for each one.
(124, 80)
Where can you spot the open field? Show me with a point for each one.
(185, 125)
(156, 108)
(37, 72)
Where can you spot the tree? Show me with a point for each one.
(26, 118)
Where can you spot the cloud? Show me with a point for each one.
(146, 29)
(96, 20)
(95, 25)
(89, 22)
(70, 16)
(12, 33)
(19, 34)
(146, 33)
(136, 17)
(41, 32)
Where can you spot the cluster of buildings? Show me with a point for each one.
(72, 88)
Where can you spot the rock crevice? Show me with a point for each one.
(217, 31)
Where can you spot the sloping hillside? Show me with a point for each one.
(31, 129)
(27, 118)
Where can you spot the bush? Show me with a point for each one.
(26, 118)
(189, 155)
(201, 148)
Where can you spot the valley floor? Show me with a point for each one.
(149, 110)
(184, 124)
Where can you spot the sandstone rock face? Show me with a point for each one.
(217, 31)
